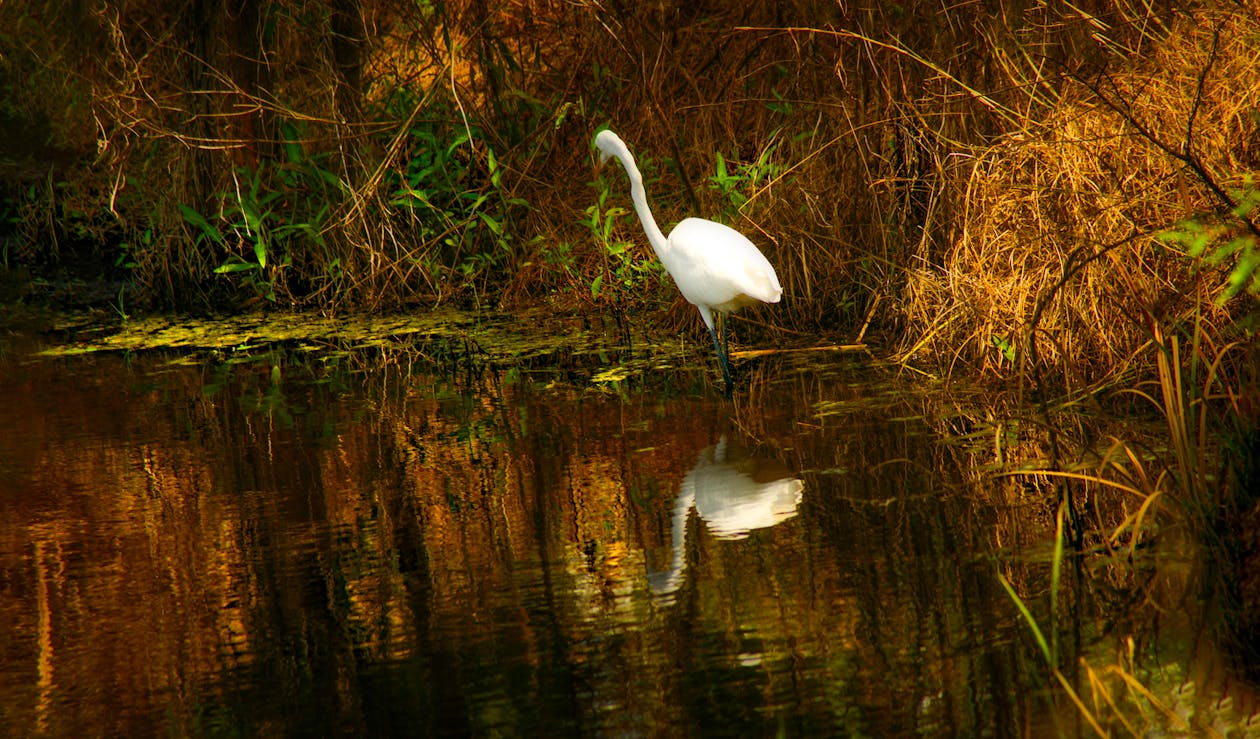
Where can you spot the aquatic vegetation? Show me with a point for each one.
(244, 333)
(539, 341)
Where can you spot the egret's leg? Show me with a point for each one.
(726, 351)
(725, 363)
(726, 369)
(726, 338)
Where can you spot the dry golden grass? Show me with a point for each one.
(1056, 237)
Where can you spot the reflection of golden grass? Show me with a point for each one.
(134, 594)
(487, 521)
(1166, 527)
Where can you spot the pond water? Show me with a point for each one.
(423, 539)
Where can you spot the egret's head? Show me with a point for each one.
(609, 145)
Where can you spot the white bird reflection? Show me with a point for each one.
(734, 493)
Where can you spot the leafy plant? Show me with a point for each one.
(621, 267)
(1004, 346)
(261, 226)
(560, 258)
(733, 180)
(126, 257)
(453, 188)
(247, 234)
(1216, 242)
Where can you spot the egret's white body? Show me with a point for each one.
(715, 267)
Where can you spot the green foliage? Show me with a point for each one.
(59, 222)
(1004, 346)
(1216, 242)
(780, 105)
(128, 248)
(734, 181)
(560, 259)
(269, 215)
(622, 269)
(454, 191)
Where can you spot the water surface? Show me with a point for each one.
(420, 541)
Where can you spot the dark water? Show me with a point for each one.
(391, 543)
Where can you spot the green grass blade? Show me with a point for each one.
(1032, 622)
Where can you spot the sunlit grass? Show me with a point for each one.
(1181, 484)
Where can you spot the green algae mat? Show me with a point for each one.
(493, 334)
(604, 353)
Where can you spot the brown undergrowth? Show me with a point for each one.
(983, 189)
(1058, 234)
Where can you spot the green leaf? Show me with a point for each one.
(292, 146)
(231, 267)
(492, 165)
(1004, 346)
(1243, 274)
(1042, 644)
(329, 178)
(491, 224)
(253, 221)
(260, 252)
(196, 219)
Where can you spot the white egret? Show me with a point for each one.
(715, 267)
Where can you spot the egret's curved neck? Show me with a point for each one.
(639, 195)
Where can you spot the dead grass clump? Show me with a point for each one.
(1057, 236)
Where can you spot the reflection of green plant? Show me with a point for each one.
(1189, 481)
(257, 379)
(1049, 647)
(1142, 700)
(1216, 242)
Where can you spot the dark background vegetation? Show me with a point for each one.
(964, 177)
